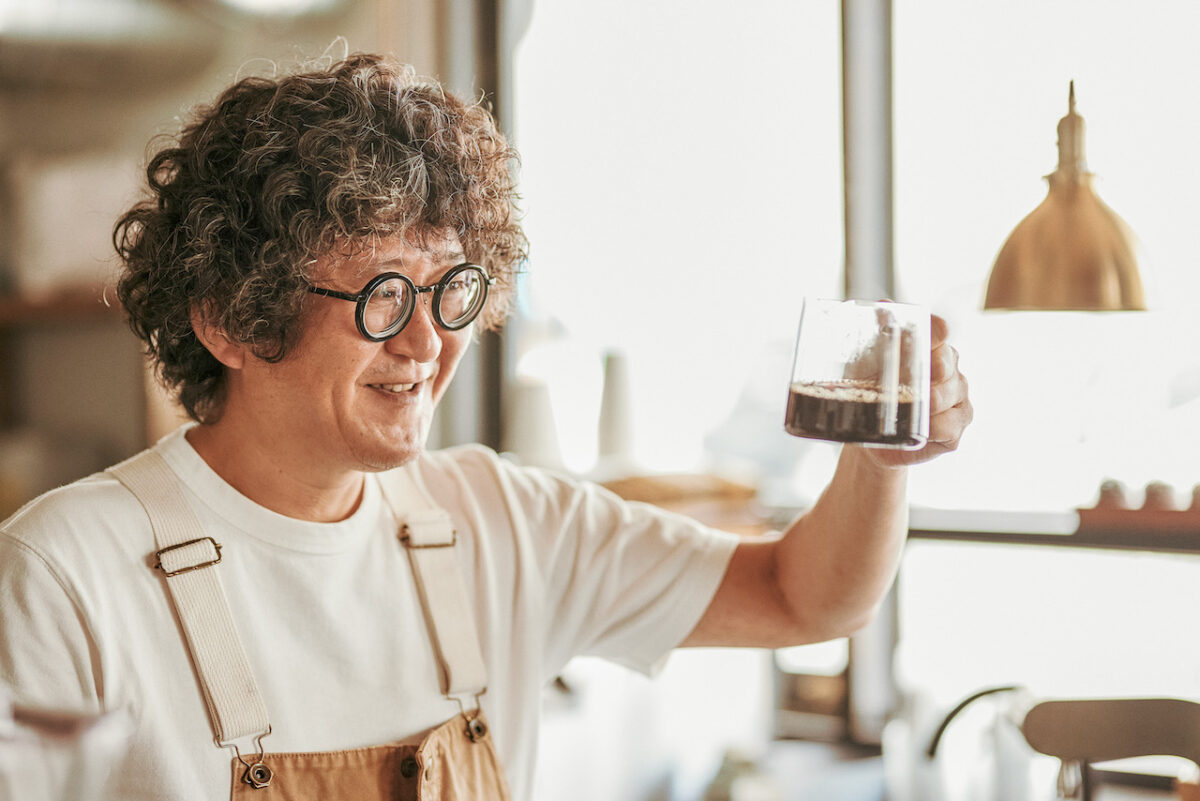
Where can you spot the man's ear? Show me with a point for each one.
(213, 337)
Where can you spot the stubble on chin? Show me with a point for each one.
(387, 451)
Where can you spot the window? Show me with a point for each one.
(682, 179)
(1063, 400)
(681, 159)
(683, 190)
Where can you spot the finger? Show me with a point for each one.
(948, 393)
(938, 330)
(946, 427)
(943, 363)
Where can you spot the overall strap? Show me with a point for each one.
(429, 537)
(187, 558)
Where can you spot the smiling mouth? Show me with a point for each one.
(395, 389)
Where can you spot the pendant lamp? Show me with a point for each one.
(1072, 253)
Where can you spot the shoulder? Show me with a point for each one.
(74, 518)
(96, 496)
(478, 477)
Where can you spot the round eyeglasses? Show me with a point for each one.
(386, 303)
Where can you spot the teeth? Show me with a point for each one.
(395, 387)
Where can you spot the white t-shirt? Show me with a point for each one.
(328, 613)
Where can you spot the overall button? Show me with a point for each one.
(408, 767)
(476, 730)
(258, 776)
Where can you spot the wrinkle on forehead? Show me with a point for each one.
(363, 257)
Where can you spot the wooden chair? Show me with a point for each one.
(1086, 731)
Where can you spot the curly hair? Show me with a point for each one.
(279, 172)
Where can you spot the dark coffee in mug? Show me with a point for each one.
(853, 411)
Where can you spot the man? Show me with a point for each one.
(292, 577)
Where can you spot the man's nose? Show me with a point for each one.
(420, 339)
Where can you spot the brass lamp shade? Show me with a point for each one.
(1073, 252)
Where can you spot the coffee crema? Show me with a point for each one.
(852, 411)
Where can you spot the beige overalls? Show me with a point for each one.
(454, 762)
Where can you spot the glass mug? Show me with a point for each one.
(861, 374)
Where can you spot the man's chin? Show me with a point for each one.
(388, 453)
(379, 461)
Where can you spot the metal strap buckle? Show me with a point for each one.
(257, 774)
(476, 728)
(408, 543)
(168, 573)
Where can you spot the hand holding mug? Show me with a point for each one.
(877, 374)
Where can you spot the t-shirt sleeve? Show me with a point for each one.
(46, 659)
(623, 581)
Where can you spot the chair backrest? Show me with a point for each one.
(1102, 729)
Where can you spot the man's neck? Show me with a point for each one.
(286, 483)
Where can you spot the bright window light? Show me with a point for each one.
(684, 191)
(682, 184)
(682, 180)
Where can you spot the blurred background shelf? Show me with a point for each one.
(73, 390)
(73, 306)
(1151, 530)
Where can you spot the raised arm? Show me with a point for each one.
(824, 577)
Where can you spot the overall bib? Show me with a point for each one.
(454, 762)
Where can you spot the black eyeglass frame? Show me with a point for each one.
(360, 299)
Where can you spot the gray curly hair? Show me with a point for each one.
(279, 172)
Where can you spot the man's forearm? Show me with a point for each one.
(836, 561)
(825, 576)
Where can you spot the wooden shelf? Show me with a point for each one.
(1112, 539)
(1124, 530)
(78, 310)
(77, 305)
(1132, 530)
(732, 507)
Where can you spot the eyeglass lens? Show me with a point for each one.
(461, 298)
(457, 299)
(386, 307)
